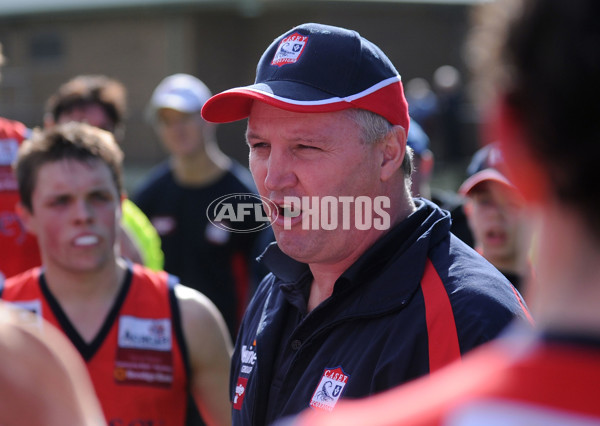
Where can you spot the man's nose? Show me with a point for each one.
(280, 171)
(83, 211)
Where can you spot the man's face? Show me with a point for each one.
(181, 133)
(315, 155)
(496, 220)
(75, 216)
(92, 114)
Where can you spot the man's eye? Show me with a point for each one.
(61, 201)
(100, 196)
(309, 147)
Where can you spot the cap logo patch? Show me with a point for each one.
(330, 389)
(289, 49)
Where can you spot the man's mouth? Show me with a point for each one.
(86, 240)
(496, 236)
(289, 211)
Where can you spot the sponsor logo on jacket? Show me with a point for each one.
(248, 359)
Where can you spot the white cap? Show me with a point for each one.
(181, 92)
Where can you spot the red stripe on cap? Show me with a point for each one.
(441, 327)
(389, 102)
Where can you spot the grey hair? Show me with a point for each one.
(374, 128)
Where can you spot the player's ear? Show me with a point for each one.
(48, 121)
(523, 168)
(468, 207)
(27, 218)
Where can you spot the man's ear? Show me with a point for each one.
(394, 150)
(49, 121)
(523, 168)
(468, 207)
(27, 218)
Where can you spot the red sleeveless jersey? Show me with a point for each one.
(18, 249)
(137, 361)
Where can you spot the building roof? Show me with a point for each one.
(36, 7)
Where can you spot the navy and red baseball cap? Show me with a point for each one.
(487, 165)
(318, 68)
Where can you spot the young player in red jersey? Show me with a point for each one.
(18, 249)
(147, 341)
(541, 59)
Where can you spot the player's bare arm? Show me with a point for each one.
(45, 383)
(209, 346)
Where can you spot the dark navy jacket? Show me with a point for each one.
(373, 333)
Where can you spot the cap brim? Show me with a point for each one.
(235, 104)
(174, 102)
(486, 175)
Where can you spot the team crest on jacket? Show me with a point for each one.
(329, 389)
(289, 49)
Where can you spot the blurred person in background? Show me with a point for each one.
(101, 101)
(448, 87)
(177, 193)
(536, 64)
(147, 341)
(18, 249)
(497, 216)
(422, 103)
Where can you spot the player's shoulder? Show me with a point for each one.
(194, 301)
(199, 314)
(21, 278)
(13, 129)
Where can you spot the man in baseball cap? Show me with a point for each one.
(179, 92)
(368, 288)
(496, 215)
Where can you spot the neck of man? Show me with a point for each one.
(86, 297)
(75, 286)
(565, 293)
(325, 275)
(201, 168)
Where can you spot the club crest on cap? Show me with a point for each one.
(289, 50)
